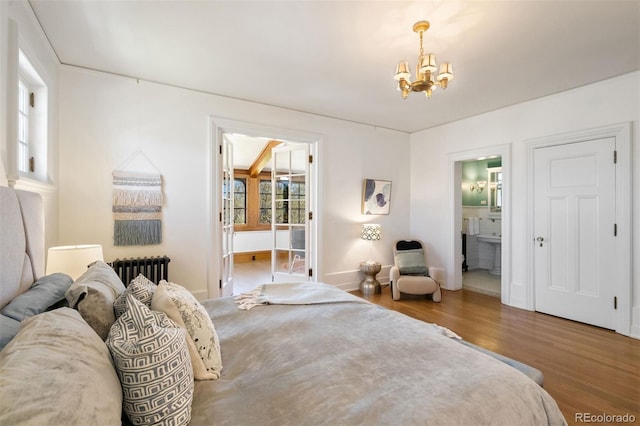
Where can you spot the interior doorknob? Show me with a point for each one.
(540, 240)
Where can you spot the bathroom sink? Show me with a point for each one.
(496, 243)
(495, 239)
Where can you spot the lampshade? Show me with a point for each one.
(402, 71)
(428, 63)
(446, 71)
(72, 260)
(371, 231)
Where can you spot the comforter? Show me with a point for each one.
(292, 362)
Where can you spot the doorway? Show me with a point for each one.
(482, 225)
(501, 227)
(242, 229)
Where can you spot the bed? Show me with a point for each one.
(291, 354)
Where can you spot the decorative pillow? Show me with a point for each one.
(411, 262)
(93, 294)
(8, 329)
(182, 307)
(151, 357)
(45, 292)
(141, 288)
(55, 371)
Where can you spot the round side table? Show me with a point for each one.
(370, 285)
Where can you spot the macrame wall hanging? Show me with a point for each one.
(137, 205)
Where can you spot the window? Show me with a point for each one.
(23, 127)
(265, 202)
(32, 141)
(253, 201)
(292, 207)
(240, 201)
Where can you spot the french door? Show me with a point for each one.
(228, 182)
(290, 185)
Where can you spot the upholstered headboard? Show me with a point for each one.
(21, 242)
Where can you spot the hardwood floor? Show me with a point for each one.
(586, 369)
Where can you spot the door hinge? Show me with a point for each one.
(615, 302)
(220, 284)
(615, 157)
(310, 159)
(220, 216)
(32, 164)
(615, 229)
(32, 100)
(310, 272)
(220, 146)
(310, 215)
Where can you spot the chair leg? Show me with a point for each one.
(437, 295)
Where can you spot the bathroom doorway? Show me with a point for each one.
(480, 221)
(482, 225)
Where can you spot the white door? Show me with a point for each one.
(227, 219)
(574, 231)
(290, 185)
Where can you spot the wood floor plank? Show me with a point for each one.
(586, 369)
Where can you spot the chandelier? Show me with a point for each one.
(425, 70)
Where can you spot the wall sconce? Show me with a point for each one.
(72, 260)
(478, 187)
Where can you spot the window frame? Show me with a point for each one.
(252, 201)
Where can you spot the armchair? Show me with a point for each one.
(410, 274)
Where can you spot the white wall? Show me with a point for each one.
(105, 118)
(32, 41)
(608, 102)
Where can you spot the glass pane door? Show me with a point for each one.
(226, 283)
(290, 212)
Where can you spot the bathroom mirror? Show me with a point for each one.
(495, 191)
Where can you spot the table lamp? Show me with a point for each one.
(72, 260)
(371, 232)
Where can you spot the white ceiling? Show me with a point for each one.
(337, 58)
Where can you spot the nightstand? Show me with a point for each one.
(370, 285)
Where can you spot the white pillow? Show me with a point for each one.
(57, 370)
(152, 361)
(182, 307)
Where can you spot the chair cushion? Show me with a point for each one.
(416, 284)
(411, 262)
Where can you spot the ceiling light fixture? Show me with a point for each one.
(425, 70)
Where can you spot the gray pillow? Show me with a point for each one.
(411, 262)
(45, 292)
(8, 329)
(93, 294)
(151, 357)
(57, 371)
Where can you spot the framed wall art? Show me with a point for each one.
(376, 196)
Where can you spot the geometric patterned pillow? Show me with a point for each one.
(141, 288)
(151, 358)
(183, 308)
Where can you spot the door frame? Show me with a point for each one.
(454, 260)
(218, 126)
(621, 269)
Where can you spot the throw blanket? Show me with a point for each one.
(294, 294)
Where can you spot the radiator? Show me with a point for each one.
(154, 268)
